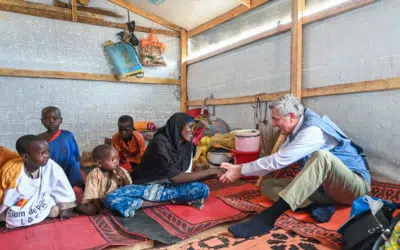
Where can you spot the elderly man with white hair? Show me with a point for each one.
(333, 168)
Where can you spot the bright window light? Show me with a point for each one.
(227, 42)
(323, 6)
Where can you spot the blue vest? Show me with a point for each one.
(347, 151)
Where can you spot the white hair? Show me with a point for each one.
(288, 103)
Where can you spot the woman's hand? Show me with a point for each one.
(217, 171)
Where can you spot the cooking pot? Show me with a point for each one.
(216, 156)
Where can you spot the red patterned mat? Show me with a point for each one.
(172, 223)
(300, 222)
(275, 239)
(95, 232)
(185, 221)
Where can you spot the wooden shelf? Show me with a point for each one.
(84, 76)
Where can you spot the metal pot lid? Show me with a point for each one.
(218, 150)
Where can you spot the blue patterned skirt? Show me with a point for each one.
(127, 199)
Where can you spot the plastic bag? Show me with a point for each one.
(152, 51)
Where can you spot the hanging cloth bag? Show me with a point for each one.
(152, 51)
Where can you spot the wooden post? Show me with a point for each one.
(295, 61)
(74, 11)
(296, 47)
(246, 3)
(183, 70)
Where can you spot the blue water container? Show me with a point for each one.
(124, 59)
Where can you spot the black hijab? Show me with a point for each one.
(165, 156)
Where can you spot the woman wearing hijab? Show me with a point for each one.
(164, 175)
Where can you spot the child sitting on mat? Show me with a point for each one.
(63, 147)
(102, 180)
(129, 143)
(33, 187)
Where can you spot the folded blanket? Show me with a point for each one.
(144, 125)
(6, 155)
(9, 173)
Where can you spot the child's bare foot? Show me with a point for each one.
(67, 214)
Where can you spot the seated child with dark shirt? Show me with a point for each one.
(129, 143)
(105, 178)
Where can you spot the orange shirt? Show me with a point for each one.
(133, 150)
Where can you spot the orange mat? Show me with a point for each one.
(301, 222)
(275, 239)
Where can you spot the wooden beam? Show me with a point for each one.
(225, 17)
(347, 6)
(296, 49)
(98, 11)
(45, 8)
(246, 3)
(74, 11)
(145, 14)
(355, 87)
(349, 88)
(183, 71)
(84, 76)
(58, 13)
(238, 100)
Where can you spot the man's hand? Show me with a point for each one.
(233, 172)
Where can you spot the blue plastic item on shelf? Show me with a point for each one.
(123, 59)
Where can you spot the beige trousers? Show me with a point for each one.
(339, 185)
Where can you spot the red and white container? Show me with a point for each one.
(247, 140)
(245, 157)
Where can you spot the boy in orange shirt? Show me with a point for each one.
(129, 143)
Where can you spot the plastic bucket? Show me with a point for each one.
(245, 157)
(247, 140)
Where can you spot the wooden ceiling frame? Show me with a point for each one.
(154, 18)
(242, 8)
(65, 14)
